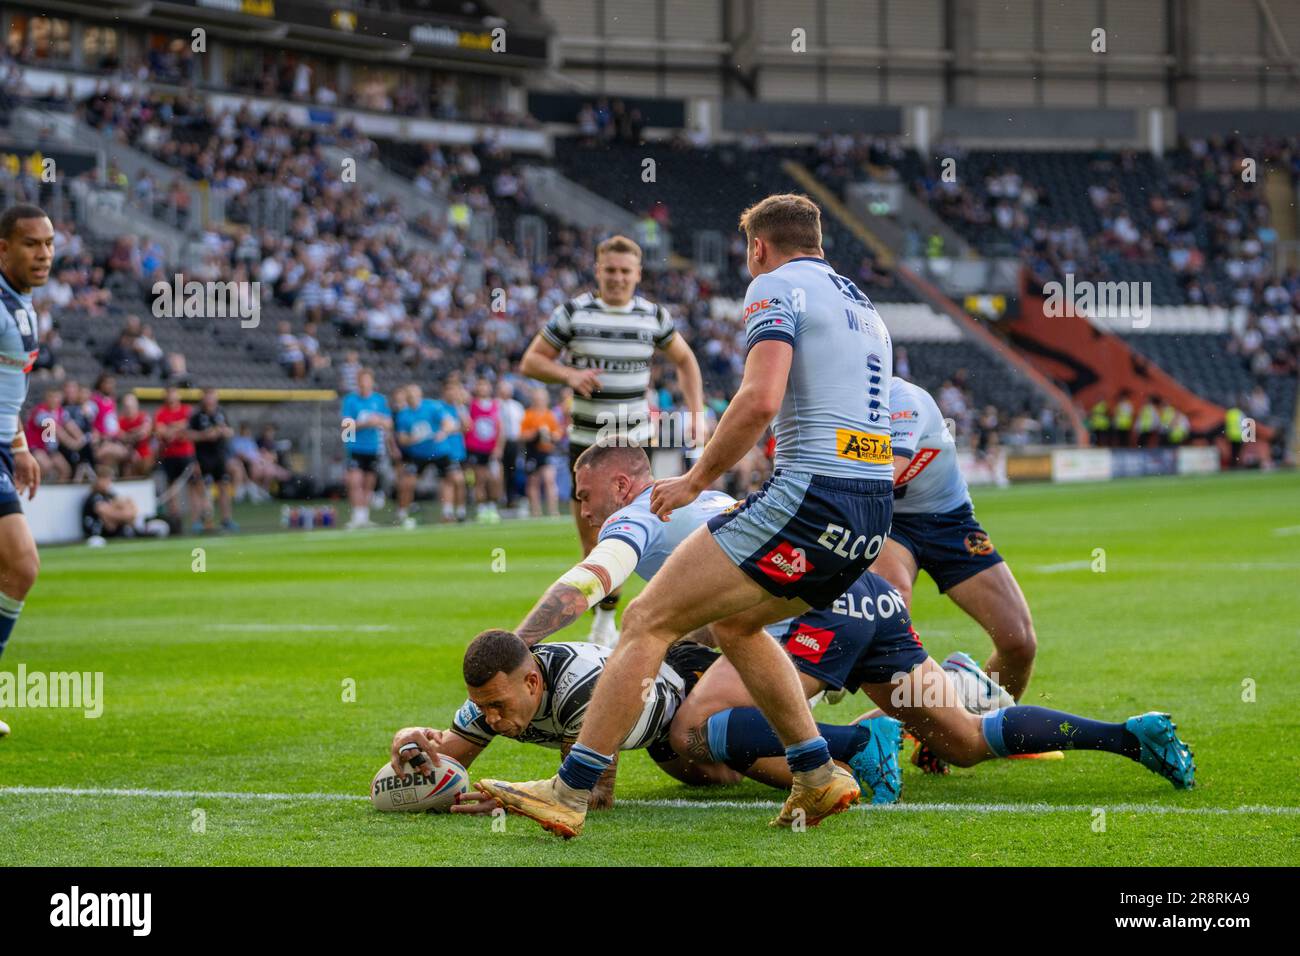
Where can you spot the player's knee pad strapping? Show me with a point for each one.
(717, 726)
(991, 728)
(741, 735)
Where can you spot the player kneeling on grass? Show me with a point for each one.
(865, 641)
(539, 695)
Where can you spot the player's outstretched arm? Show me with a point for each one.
(767, 368)
(609, 564)
(560, 606)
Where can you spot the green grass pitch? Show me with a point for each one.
(225, 686)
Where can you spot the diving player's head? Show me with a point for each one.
(780, 228)
(26, 246)
(607, 477)
(503, 681)
(618, 270)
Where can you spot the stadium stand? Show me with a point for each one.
(364, 272)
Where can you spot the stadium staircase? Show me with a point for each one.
(108, 213)
(392, 186)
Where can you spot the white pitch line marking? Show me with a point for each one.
(1063, 566)
(304, 627)
(1284, 532)
(674, 804)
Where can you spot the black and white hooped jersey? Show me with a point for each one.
(619, 342)
(570, 671)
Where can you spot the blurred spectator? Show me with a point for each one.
(210, 431)
(105, 513)
(540, 432)
(136, 432)
(148, 351)
(171, 425)
(45, 435)
(108, 447)
(291, 357)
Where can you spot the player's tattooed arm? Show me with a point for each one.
(560, 606)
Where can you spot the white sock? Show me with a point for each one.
(361, 514)
(574, 799)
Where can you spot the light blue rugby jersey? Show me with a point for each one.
(653, 540)
(932, 481)
(17, 343)
(842, 352)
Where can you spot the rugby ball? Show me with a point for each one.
(420, 789)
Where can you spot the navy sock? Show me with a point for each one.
(1034, 730)
(741, 735)
(583, 767)
(9, 611)
(807, 755)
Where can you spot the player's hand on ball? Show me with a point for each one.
(426, 738)
(475, 801)
(669, 494)
(584, 381)
(27, 474)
